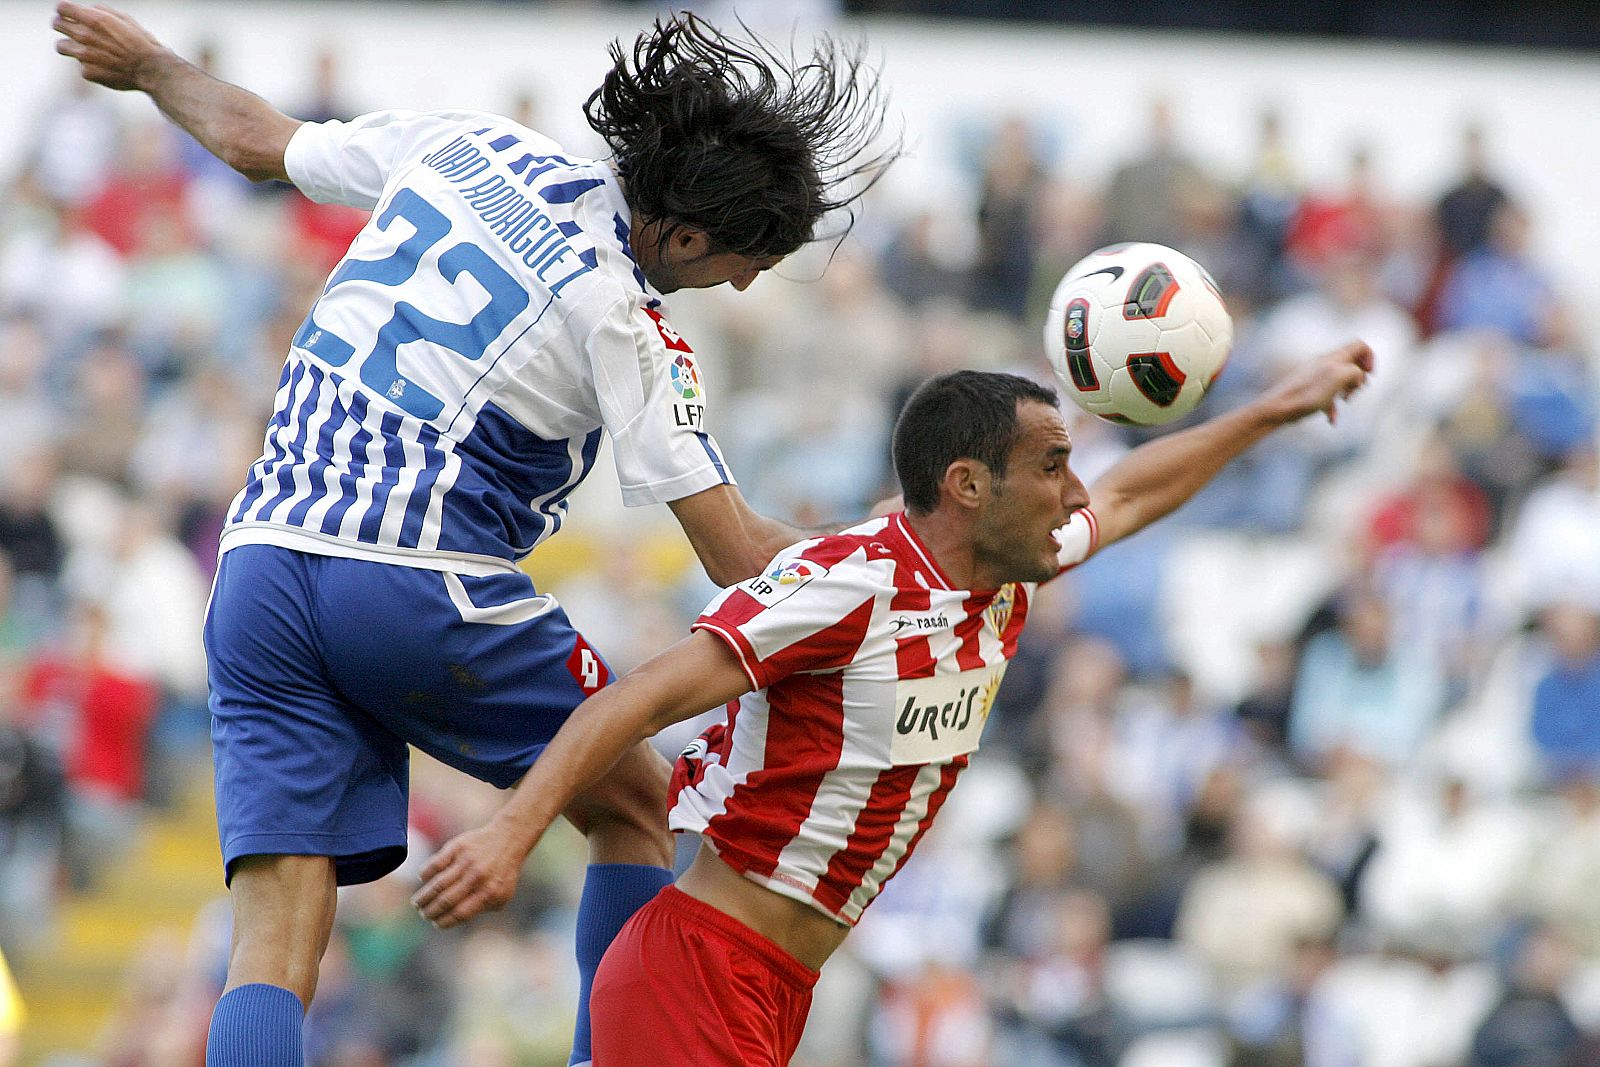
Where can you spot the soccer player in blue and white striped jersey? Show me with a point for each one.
(445, 394)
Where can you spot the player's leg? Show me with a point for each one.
(480, 672)
(624, 820)
(282, 918)
(311, 792)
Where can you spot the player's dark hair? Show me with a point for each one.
(736, 139)
(966, 414)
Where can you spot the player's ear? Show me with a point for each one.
(967, 482)
(688, 243)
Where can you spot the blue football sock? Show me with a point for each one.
(612, 892)
(256, 1026)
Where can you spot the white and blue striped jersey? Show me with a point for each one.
(448, 389)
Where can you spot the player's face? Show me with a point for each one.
(707, 270)
(1015, 536)
(687, 261)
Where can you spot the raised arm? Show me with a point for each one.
(1157, 477)
(478, 870)
(236, 126)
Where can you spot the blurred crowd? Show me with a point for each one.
(1308, 775)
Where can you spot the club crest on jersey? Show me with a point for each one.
(782, 580)
(998, 613)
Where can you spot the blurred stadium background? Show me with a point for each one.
(1307, 776)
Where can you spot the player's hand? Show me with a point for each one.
(1322, 383)
(110, 47)
(473, 873)
(888, 506)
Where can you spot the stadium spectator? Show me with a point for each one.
(914, 267)
(1500, 286)
(96, 715)
(1359, 689)
(1553, 547)
(29, 535)
(1245, 914)
(1565, 726)
(33, 825)
(1465, 212)
(1345, 303)
(1146, 196)
(1563, 857)
(1268, 201)
(1043, 865)
(1333, 226)
(146, 183)
(1531, 1024)
(1444, 867)
(1289, 1019)
(1008, 226)
(77, 136)
(1052, 1000)
(66, 277)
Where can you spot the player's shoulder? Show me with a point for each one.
(837, 568)
(466, 120)
(860, 553)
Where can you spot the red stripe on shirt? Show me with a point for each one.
(969, 657)
(947, 781)
(833, 646)
(805, 736)
(873, 832)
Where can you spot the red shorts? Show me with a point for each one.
(685, 985)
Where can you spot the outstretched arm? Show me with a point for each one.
(236, 126)
(1157, 477)
(478, 870)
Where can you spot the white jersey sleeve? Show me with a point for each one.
(1079, 538)
(350, 162)
(798, 615)
(652, 400)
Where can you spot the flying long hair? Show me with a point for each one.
(734, 138)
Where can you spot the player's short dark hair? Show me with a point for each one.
(736, 139)
(966, 414)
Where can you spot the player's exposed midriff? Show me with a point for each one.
(800, 930)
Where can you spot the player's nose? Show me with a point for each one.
(744, 279)
(1074, 494)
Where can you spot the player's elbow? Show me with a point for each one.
(252, 162)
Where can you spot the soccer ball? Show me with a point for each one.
(1137, 333)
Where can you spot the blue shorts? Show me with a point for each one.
(323, 669)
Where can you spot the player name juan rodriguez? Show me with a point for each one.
(515, 219)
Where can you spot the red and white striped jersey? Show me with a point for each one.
(874, 679)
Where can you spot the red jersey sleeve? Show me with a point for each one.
(803, 613)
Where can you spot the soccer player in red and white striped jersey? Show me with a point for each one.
(858, 669)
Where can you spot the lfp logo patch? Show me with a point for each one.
(686, 378)
(783, 580)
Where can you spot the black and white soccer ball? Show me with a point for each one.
(1137, 333)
